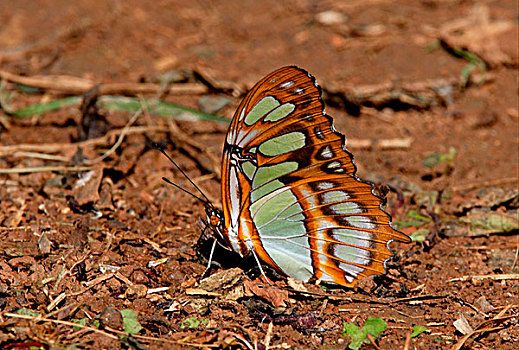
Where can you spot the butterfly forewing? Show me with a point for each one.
(289, 187)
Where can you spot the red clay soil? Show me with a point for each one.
(426, 93)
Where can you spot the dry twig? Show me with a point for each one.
(63, 147)
(41, 169)
(372, 340)
(382, 144)
(420, 297)
(486, 326)
(502, 277)
(489, 183)
(208, 78)
(66, 323)
(75, 86)
(407, 343)
(268, 336)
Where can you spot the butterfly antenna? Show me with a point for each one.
(206, 201)
(186, 191)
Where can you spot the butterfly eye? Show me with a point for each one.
(214, 220)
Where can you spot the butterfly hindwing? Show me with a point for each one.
(289, 187)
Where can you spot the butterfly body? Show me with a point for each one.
(289, 190)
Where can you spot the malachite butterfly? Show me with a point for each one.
(289, 190)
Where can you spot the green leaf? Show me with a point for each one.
(400, 224)
(28, 89)
(28, 312)
(450, 155)
(356, 335)
(435, 158)
(431, 159)
(130, 322)
(193, 322)
(417, 330)
(419, 235)
(82, 322)
(413, 214)
(375, 326)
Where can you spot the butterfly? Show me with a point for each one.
(290, 195)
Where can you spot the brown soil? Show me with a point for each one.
(390, 71)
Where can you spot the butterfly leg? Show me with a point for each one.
(266, 279)
(210, 259)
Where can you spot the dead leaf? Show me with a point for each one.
(463, 326)
(202, 292)
(276, 296)
(228, 283)
(480, 34)
(491, 325)
(136, 291)
(105, 194)
(21, 262)
(483, 304)
(296, 285)
(482, 223)
(491, 222)
(44, 244)
(86, 188)
(165, 63)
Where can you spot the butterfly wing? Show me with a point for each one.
(289, 187)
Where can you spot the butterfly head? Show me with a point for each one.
(215, 221)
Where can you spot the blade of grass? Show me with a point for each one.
(156, 107)
(474, 62)
(42, 108)
(122, 104)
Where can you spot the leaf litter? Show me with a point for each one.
(103, 254)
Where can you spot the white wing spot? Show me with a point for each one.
(345, 208)
(326, 152)
(334, 164)
(334, 196)
(351, 270)
(324, 186)
(361, 222)
(286, 84)
(355, 237)
(299, 91)
(242, 114)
